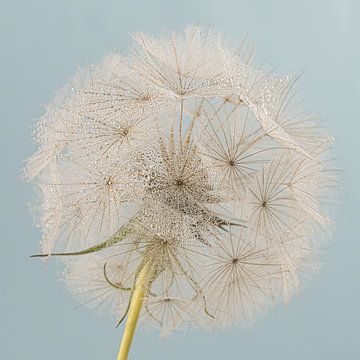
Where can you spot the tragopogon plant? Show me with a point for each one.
(181, 184)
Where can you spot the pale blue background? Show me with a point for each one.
(44, 42)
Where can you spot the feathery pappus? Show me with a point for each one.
(187, 171)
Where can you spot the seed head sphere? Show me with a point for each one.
(187, 158)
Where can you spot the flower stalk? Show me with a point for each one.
(137, 300)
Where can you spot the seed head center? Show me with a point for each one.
(124, 131)
(109, 181)
(146, 97)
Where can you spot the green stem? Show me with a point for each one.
(137, 300)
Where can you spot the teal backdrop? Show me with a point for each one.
(43, 43)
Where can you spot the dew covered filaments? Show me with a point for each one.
(185, 173)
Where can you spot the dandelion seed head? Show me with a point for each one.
(187, 159)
